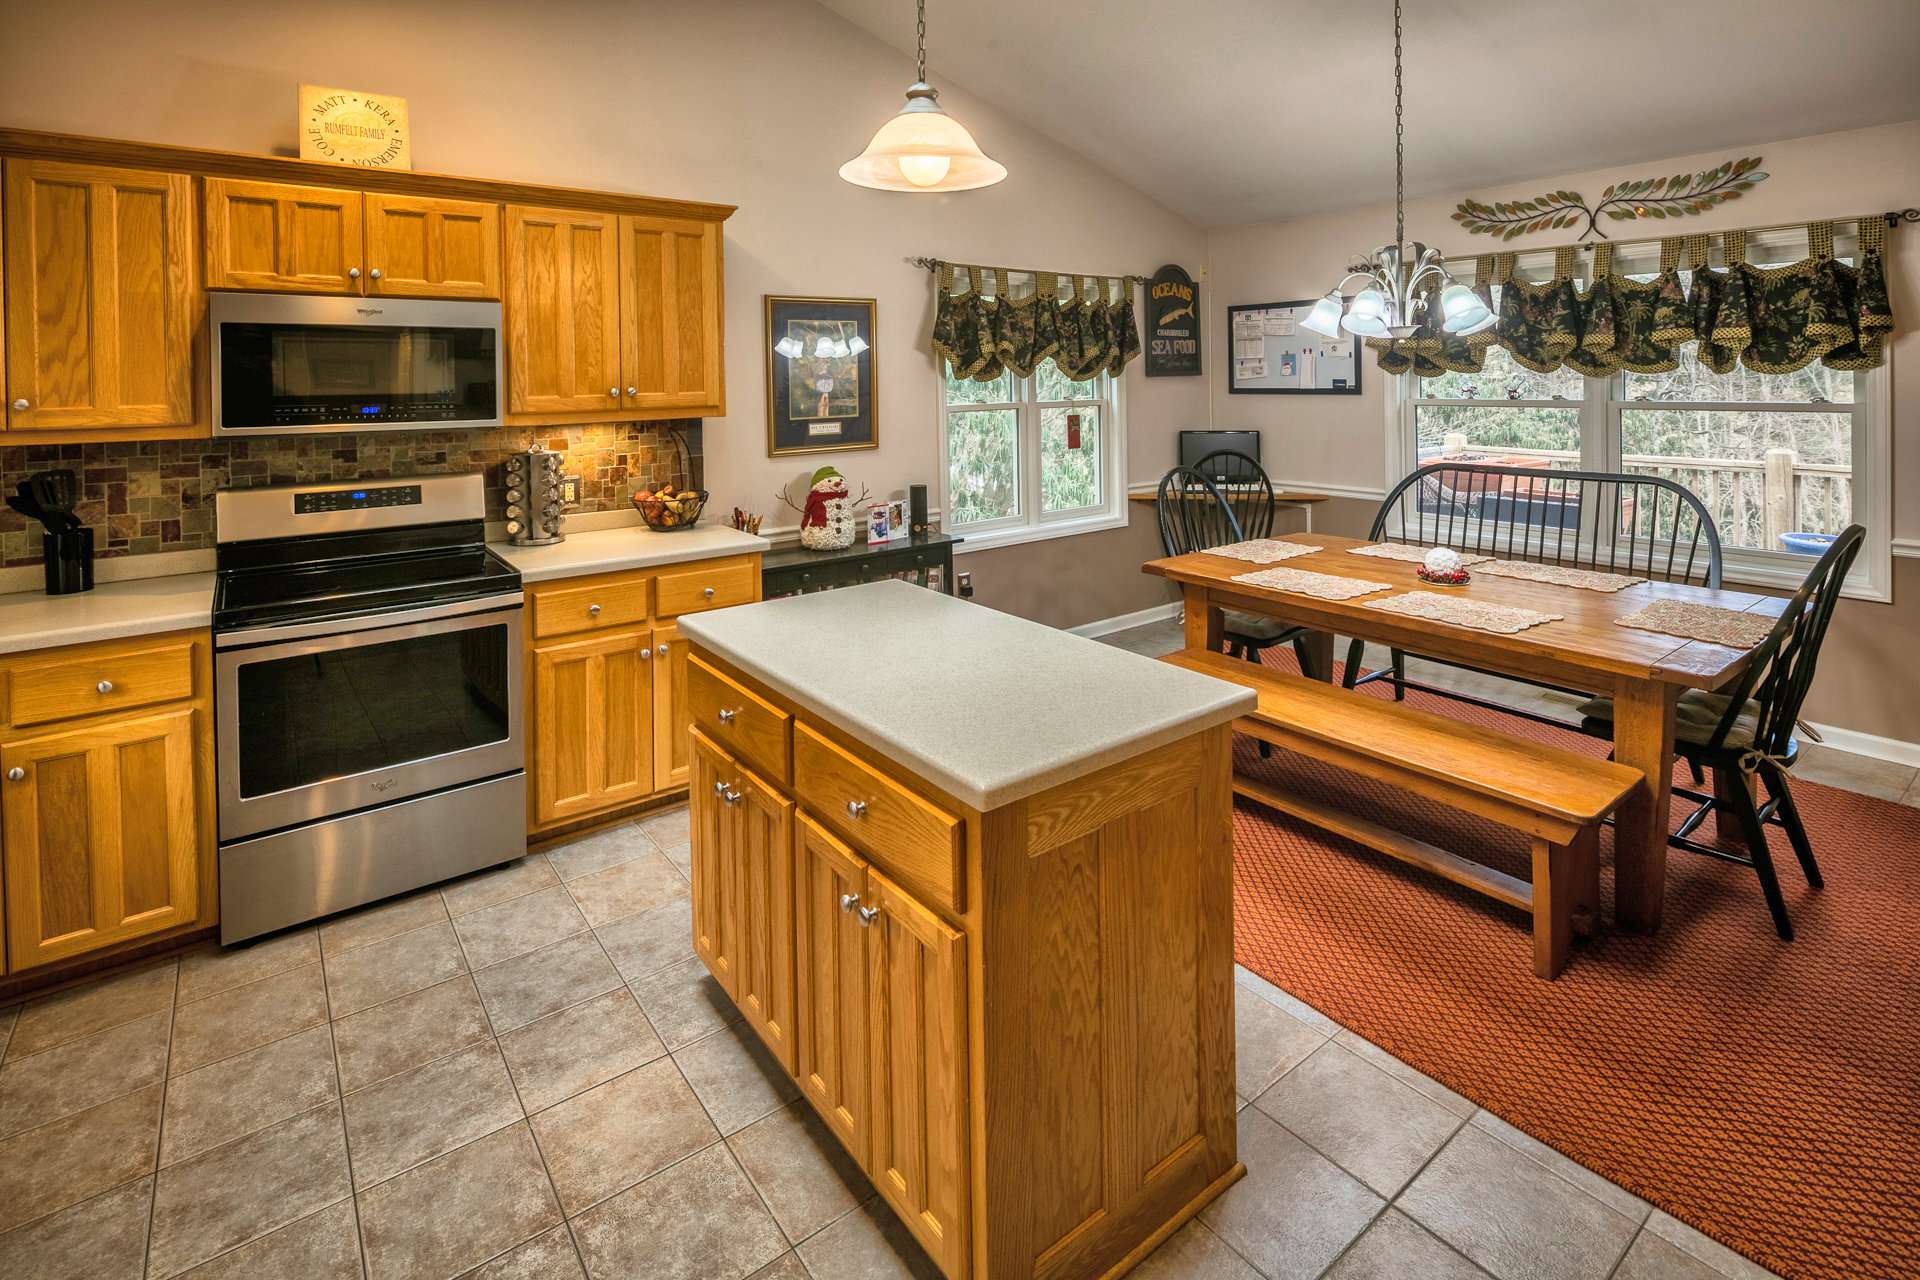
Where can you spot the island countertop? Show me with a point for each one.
(989, 707)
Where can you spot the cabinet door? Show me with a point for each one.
(101, 836)
(711, 824)
(831, 971)
(270, 235)
(918, 1129)
(562, 310)
(99, 295)
(419, 247)
(672, 716)
(592, 725)
(670, 313)
(763, 907)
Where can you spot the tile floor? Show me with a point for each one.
(525, 1073)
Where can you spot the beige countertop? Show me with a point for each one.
(631, 547)
(133, 607)
(986, 706)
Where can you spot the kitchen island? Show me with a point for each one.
(970, 880)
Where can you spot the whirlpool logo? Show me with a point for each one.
(370, 311)
(385, 784)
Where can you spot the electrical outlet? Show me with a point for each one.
(964, 581)
(570, 490)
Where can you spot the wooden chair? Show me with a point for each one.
(1748, 732)
(1195, 515)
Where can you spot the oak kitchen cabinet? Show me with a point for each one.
(106, 807)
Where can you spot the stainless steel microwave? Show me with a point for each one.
(287, 363)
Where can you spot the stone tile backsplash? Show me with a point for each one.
(149, 496)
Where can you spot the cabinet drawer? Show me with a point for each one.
(84, 683)
(597, 606)
(708, 586)
(738, 719)
(912, 838)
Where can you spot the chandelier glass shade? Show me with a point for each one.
(923, 148)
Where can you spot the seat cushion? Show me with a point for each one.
(1258, 627)
(1695, 717)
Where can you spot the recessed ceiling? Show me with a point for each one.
(1234, 111)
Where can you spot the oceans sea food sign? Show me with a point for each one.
(1173, 324)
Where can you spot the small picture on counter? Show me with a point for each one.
(820, 375)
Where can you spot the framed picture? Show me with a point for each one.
(1274, 355)
(821, 384)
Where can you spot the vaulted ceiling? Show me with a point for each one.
(1233, 111)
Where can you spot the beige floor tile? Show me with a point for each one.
(77, 1157)
(681, 856)
(737, 1080)
(669, 828)
(1263, 1216)
(800, 1169)
(545, 1257)
(213, 969)
(684, 1003)
(868, 1244)
(1513, 1217)
(643, 945)
(1423, 1084)
(1396, 1247)
(628, 889)
(1268, 1042)
(699, 1220)
(502, 884)
(406, 1032)
(83, 1073)
(94, 1007)
(545, 981)
(7, 1018)
(1286, 1000)
(413, 1117)
(320, 1246)
(618, 1133)
(1615, 1197)
(1358, 1116)
(601, 850)
(1652, 1258)
(1194, 1253)
(569, 1052)
(246, 1017)
(1716, 1255)
(460, 1210)
(104, 1238)
(381, 921)
(247, 1092)
(238, 1193)
(1912, 797)
(517, 927)
(1882, 779)
(785, 1267)
(392, 967)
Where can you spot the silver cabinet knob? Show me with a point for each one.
(614, 392)
(375, 273)
(105, 686)
(633, 391)
(663, 648)
(593, 611)
(731, 795)
(707, 592)
(20, 406)
(856, 808)
(848, 901)
(16, 773)
(726, 715)
(719, 788)
(353, 273)
(645, 653)
(867, 916)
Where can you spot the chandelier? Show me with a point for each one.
(1397, 278)
(923, 148)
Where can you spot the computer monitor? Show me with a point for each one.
(1195, 445)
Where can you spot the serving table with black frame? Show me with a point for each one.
(795, 569)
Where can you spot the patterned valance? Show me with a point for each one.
(1769, 319)
(1084, 324)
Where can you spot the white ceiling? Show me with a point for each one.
(1233, 111)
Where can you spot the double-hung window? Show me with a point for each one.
(1029, 458)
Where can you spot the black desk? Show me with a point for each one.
(795, 569)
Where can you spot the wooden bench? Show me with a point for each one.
(1555, 797)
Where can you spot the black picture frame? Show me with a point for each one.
(820, 403)
(1354, 350)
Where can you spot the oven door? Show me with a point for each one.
(371, 711)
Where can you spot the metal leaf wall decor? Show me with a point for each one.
(1674, 197)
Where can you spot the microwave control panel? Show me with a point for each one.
(361, 499)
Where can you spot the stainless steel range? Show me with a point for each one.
(367, 693)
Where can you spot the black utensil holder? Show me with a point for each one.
(69, 557)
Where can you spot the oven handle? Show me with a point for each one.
(270, 635)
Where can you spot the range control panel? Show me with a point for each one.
(361, 499)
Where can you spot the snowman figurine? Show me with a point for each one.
(826, 522)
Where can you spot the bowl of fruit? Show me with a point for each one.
(667, 508)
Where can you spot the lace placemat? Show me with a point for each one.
(1401, 551)
(1701, 622)
(1262, 550)
(1326, 586)
(1461, 612)
(1559, 575)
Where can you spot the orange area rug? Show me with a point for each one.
(1766, 1093)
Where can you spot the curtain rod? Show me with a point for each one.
(934, 264)
(1893, 218)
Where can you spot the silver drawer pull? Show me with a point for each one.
(856, 808)
(16, 773)
(21, 406)
(719, 788)
(663, 648)
(375, 273)
(868, 915)
(645, 653)
(731, 796)
(707, 592)
(105, 686)
(593, 611)
(353, 273)
(848, 901)
(633, 391)
(726, 715)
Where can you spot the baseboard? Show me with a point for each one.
(1869, 744)
(1126, 621)
(1906, 547)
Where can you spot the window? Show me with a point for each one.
(1027, 458)
(1768, 454)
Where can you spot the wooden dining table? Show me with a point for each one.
(1645, 672)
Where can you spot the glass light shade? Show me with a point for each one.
(1324, 319)
(1370, 303)
(1366, 326)
(923, 149)
(1463, 310)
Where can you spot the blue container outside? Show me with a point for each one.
(1807, 544)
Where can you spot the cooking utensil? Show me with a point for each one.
(55, 493)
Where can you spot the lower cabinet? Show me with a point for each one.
(670, 711)
(592, 725)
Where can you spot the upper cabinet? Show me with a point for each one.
(423, 248)
(267, 235)
(670, 313)
(100, 299)
(563, 310)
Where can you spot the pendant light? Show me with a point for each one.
(923, 148)
(1394, 278)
